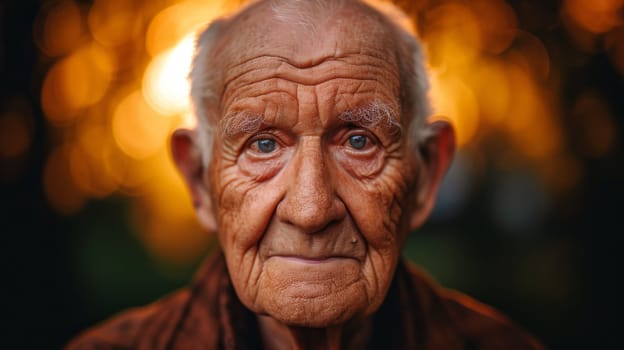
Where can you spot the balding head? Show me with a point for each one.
(299, 30)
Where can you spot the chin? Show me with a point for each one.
(324, 311)
(309, 314)
(312, 295)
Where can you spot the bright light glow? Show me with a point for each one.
(167, 218)
(165, 84)
(453, 99)
(172, 24)
(188, 121)
(137, 129)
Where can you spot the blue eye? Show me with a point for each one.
(358, 141)
(266, 145)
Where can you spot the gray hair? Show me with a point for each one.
(414, 81)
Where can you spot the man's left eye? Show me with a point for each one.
(358, 141)
(266, 145)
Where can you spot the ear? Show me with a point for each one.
(436, 154)
(188, 159)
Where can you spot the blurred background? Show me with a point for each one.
(94, 218)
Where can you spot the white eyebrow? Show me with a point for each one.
(373, 114)
(240, 122)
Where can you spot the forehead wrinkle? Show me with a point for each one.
(264, 67)
(334, 55)
(251, 95)
(288, 89)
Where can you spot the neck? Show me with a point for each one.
(278, 336)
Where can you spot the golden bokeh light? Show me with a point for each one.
(524, 104)
(530, 121)
(166, 30)
(176, 234)
(595, 16)
(73, 83)
(165, 85)
(115, 22)
(92, 136)
(492, 89)
(115, 143)
(453, 99)
(60, 28)
(593, 25)
(138, 130)
(529, 53)
(102, 58)
(499, 30)
(90, 174)
(453, 35)
(188, 120)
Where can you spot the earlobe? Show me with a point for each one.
(436, 155)
(188, 159)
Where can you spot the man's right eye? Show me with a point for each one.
(265, 145)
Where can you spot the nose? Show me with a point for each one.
(310, 202)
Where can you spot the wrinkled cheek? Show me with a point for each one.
(244, 275)
(396, 218)
(394, 202)
(239, 237)
(245, 212)
(383, 236)
(380, 222)
(232, 192)
(383, 263)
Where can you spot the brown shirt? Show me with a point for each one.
(416, 314)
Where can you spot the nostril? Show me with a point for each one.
(310, 215)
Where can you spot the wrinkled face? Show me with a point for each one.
(310, 171)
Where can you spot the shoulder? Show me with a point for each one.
(475, 324)
(189, 318)
(129, 330)
(484, 326)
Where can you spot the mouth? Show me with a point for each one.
(311, 269)
(312, 260)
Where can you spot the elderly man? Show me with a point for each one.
(312, 161)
